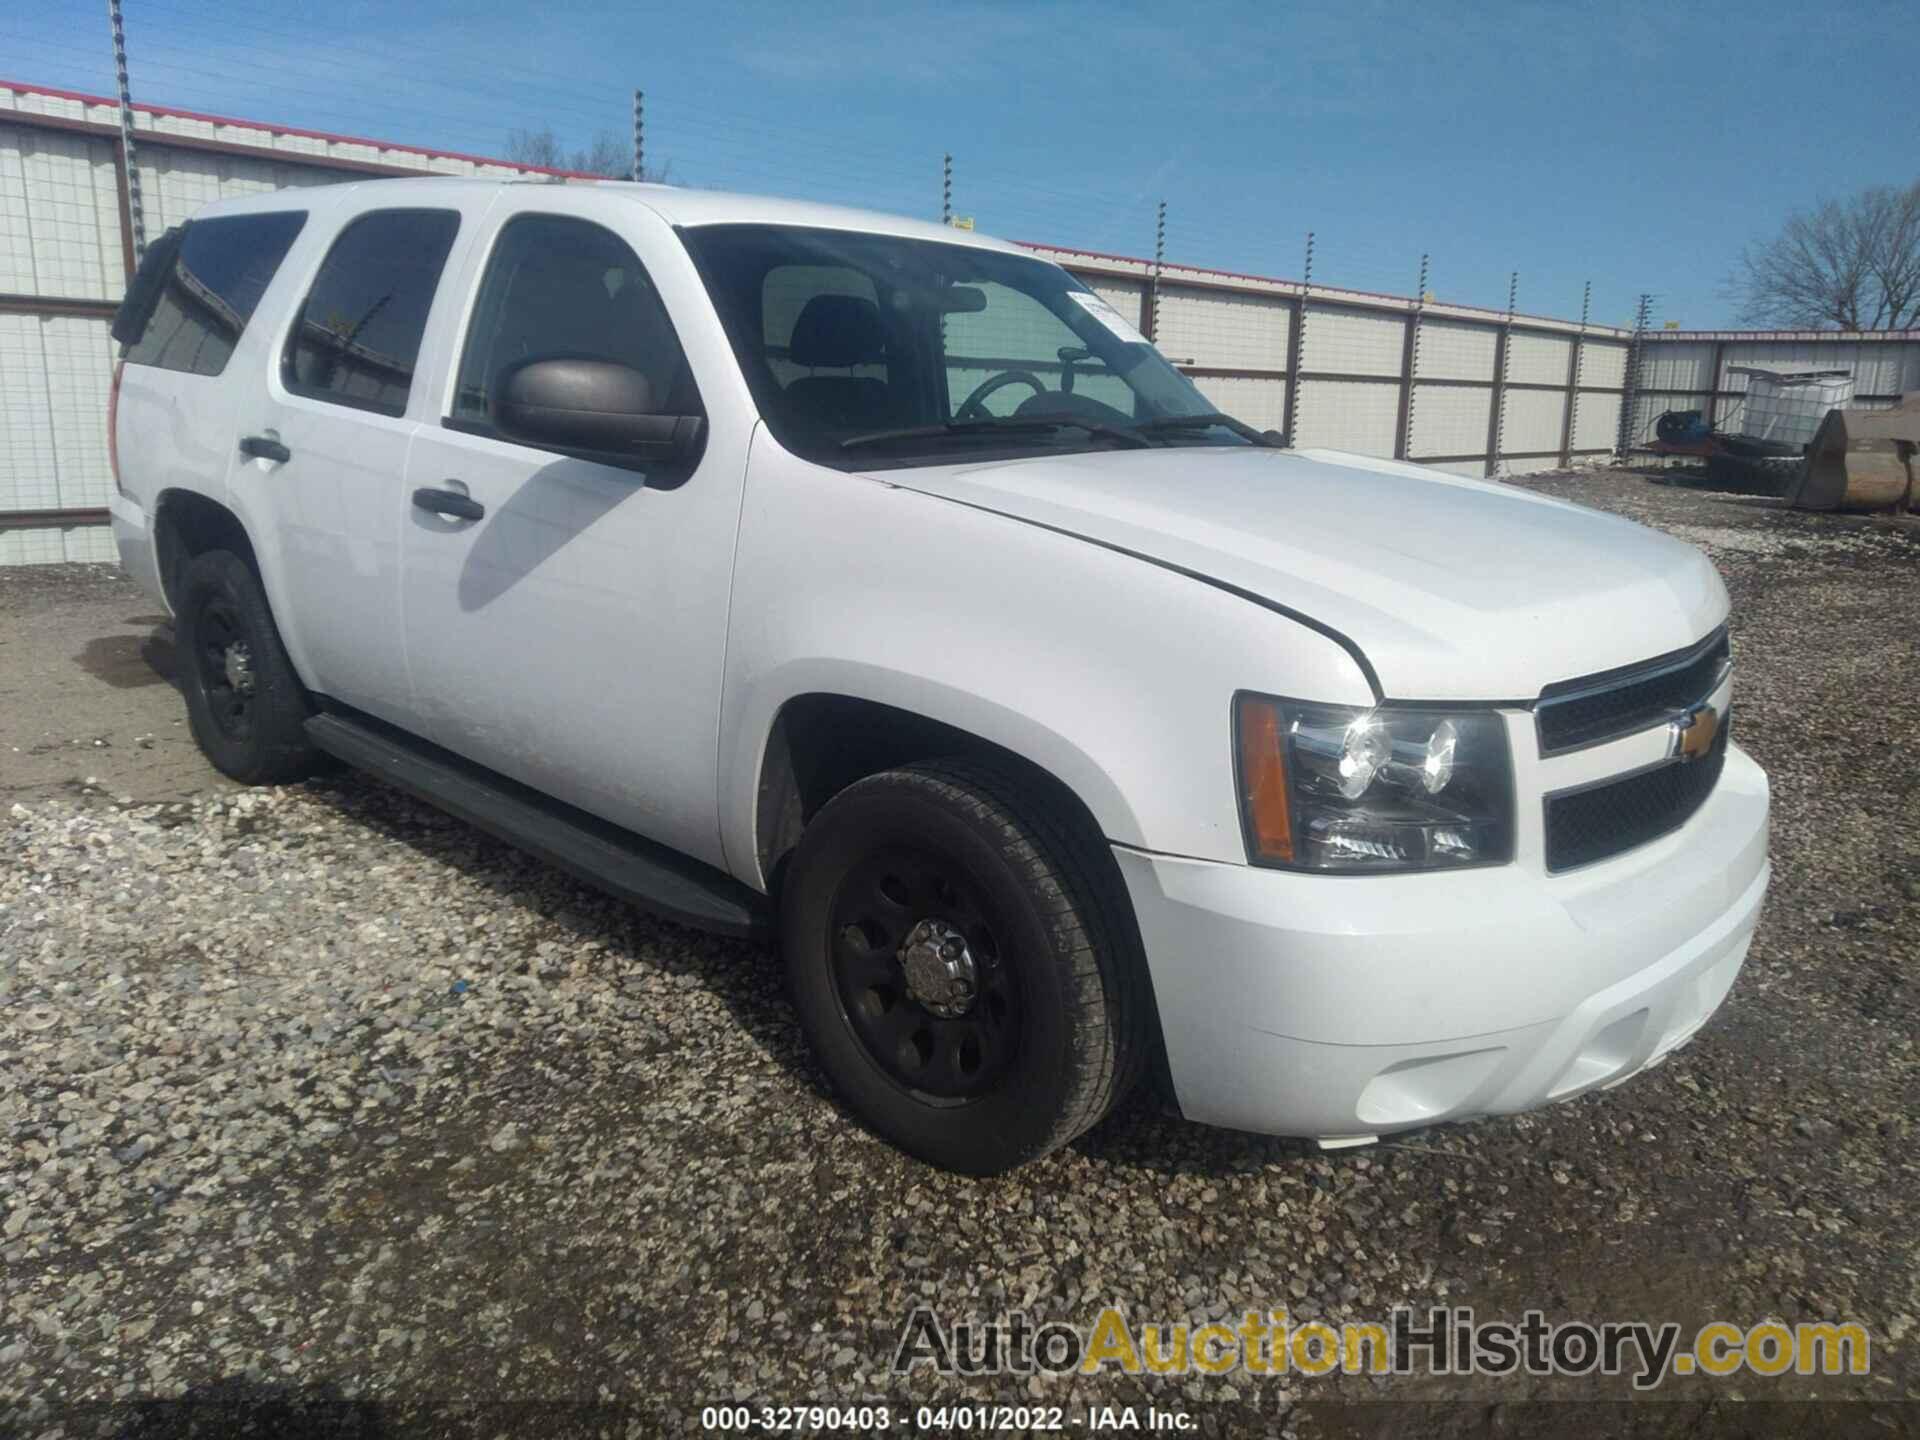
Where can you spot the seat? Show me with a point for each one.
(839, 332)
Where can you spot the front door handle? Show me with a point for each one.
(264, 447)
(450, 503)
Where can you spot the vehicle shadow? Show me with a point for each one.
(744, 974)
(236, 1406)
(130, 662)
(1146, 1132)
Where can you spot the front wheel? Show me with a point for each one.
(960, 964)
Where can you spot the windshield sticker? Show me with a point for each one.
(1100, 310)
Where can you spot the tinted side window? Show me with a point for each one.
(358, 334)
(555, 288)
(195, 311)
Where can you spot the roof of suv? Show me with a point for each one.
(675, 205)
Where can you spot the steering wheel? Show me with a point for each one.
(974, 407)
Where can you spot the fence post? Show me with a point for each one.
(1713, 395)
(640, 137)
(1150, 312)
(1290, 413)
(1409, 364)
(1630, 395)
(1502, 346)
(1576, 357)
(946, 189)
(135, 215)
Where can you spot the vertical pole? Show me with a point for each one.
(1502, 349)
(1295, 351)
(1409, 365)
(1713, 395)
(136, 218)
(946, 189)
(1159, 258)
(640, 137)
(1576, 360)
(1630, 395)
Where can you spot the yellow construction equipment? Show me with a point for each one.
(1861, 460)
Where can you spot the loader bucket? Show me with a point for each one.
(1861, 460)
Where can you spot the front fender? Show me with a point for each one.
(1114, 675)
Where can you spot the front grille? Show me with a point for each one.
(1572, 713)
(1591, 824)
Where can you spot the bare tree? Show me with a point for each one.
(608, 155)
(1845, 264)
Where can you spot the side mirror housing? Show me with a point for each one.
(597, 409)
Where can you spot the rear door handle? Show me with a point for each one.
(449, 503)
(264, 447)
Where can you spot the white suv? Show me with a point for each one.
(784, 567)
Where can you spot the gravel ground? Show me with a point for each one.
(315, 1095)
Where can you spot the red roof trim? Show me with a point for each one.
(327, 135)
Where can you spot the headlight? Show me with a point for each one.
(1336, 789)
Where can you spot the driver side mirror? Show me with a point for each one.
(597, 409)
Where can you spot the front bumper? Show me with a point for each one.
(1348, 1006)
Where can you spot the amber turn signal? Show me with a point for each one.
(1263, 780)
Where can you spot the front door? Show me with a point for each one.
(570, 634)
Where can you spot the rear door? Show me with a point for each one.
(572, 634)
(323, 451)
(183, 320)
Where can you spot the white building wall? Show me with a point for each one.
(1358, 415)
(59, 216)
(1533, 421)
(1449, 420)
(1224, 329)
(1347, 341)
(1450, 350)
(1538, 359)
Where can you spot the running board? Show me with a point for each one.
(635, 870)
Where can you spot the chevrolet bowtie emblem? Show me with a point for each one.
(1692, 733)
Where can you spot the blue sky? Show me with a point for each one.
(1637, 145)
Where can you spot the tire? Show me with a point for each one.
(1043, 1023)
(248, 713)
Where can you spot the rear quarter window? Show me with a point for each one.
(188, 310)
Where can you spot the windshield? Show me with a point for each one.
(867, 351)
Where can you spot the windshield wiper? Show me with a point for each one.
(1001, 425)
(1207, 421)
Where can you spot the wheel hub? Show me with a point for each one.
(237, 662)
(939, 968)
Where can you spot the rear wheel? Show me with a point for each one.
(960, 965)
(245, 704)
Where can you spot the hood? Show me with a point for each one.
(1453, 589)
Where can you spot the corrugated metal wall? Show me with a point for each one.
(1472, 391)
(1693, 370)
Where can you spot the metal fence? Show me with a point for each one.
(1470, 390)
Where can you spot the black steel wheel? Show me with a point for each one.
(918, 965)
(247, 708)
(225, 660)
(964, 963)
